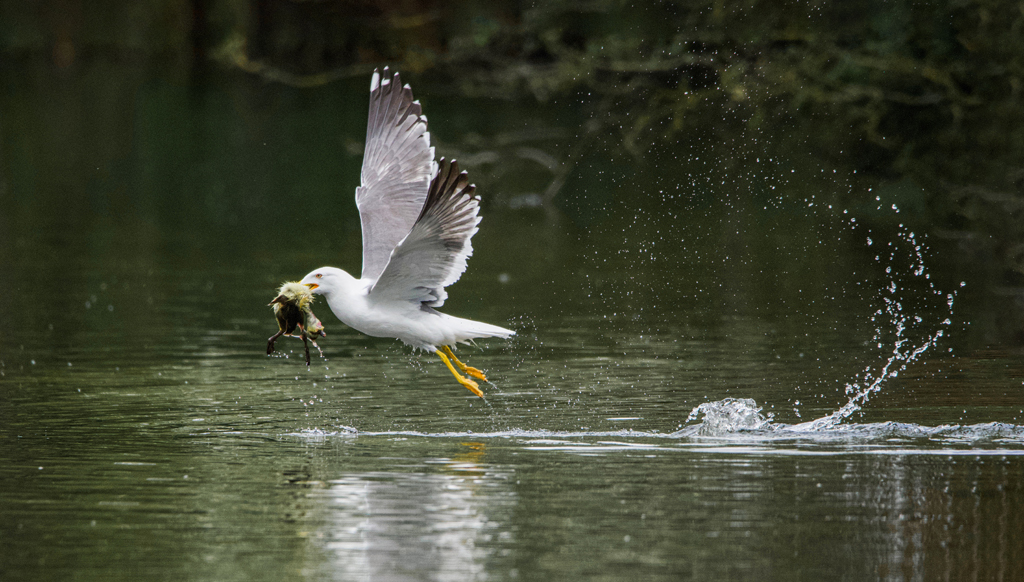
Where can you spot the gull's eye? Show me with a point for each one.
(319, 276)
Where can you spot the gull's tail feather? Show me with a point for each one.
(467, 329)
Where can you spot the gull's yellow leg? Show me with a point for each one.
(469, 384)
(465, 369)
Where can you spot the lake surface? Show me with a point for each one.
(682, 325)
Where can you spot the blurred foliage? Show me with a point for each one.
(926, 91)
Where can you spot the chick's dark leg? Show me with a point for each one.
(305, 343)
(270, 342)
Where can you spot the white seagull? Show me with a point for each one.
(418, 217)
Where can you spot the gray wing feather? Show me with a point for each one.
(397, 165)
(434, 254)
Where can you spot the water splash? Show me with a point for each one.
(726, 416)
(319, 434)
(907, 347)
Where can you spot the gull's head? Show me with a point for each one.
(324, 280)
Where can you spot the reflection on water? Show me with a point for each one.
(413, 526)
(145, 435)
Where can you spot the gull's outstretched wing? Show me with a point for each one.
(434, 254)
(397, 166)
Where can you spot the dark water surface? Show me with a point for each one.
(144, 435)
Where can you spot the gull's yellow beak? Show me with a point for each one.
(312, 286)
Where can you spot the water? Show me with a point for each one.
(702, 386)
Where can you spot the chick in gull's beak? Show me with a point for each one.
(293, 309)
